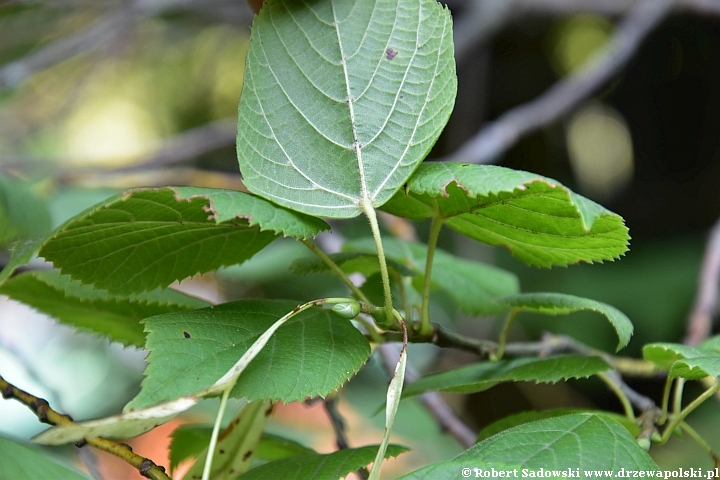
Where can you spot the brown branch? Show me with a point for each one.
(499, 136)
(45, 414)
(699, 321)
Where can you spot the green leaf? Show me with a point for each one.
(312, 354)
(696, 368)
(451, 470)
(542, 222)
(22, 252)
(342, 100)
(665, 354)
(188, 441)
(318, 466)
(20, 462)
(679, 360)
(97, 311)
(148, 238)
(481, 376)
(474, 286)
(22, 214)
(584, 441)
(349, 262)
(237, 444)
(532, 416)
(273, 447)
(561, 304)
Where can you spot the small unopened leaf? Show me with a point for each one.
(561, 304)
(125, 425)
(21, 253)
(148, 238)
(474, 286)
(342, 100)
(86, 308)
(481, 376)
(577, 443)
(539, 220)
(320, 467)
(312, 354)
(20, 462)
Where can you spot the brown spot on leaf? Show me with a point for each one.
(186, 335)
(390, 53)
(247, 455)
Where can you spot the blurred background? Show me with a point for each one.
(618, 99)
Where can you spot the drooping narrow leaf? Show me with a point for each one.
(342, 100)
(580, 442)
(237, 444)
(481, 376)
(21, 462)
(318, 466)
(561, 304)
(542, 222)
(312, 354)
(125, 425)
(148, 238)
(474, 286)
(86, 308)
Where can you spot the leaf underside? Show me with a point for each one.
(561, 304)
(342, 100)
(312, 354)
(539, 220)
(148, 238)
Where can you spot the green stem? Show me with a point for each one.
(505, 333)
(677, 398)
(700, 441)
(665, 400)
(426, 328)
(369, 210)
(678, 419)
(335, 268)
(216, 433)
(624, 400)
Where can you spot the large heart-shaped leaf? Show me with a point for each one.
(312, 354)
(148, 238)
(342, 100)
(542, 222)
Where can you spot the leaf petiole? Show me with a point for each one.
(437, 222)
(369, 210)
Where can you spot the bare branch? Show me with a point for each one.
(497, 137)
(699, 322)
(45, 414)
